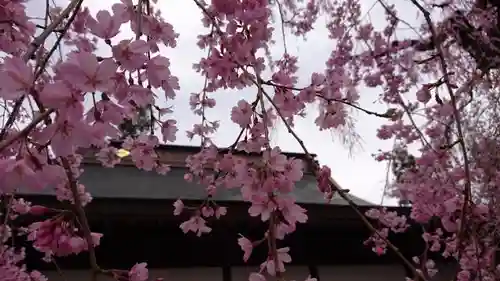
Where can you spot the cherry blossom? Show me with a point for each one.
(247, 247)
(277, 264)
(130, 54)
(84, 72)
(16, 78)
(196, 224)
(139, 272)
(105, 25)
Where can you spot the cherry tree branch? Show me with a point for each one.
(82, 217)
(24, 132)
(456, 113)
(272, 219)
(342, 193)
(343, 101)
(258, 82)
(33, 47)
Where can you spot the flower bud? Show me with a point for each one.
(38, 210)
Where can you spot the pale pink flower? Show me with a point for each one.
(379, 250)
(178, 207)
(275, 159)
(38, 210)
(108, 156)
(169, 85)
(159, 31)
(242, 114)
(254, 276)
(207, 211)
(56, 95)
(163, 169)
(282, 258)
(247, 247)
(65, 136)
(14, 173)
(157, 70)
(131, 54)
(123, 11)
(324, 180)
(105, 25)
(424, 94)
(220, 211)
(84, 72)
(81, 20)
(96, 239)
(317, 79)
(20, 206)
(261, 206)
(195, 224)
(446, 109)
(168, 130)
(139, 272)
(292, 212)
(385, 132)
(58, 238)
(141, 96)
(294, 170)
(16, 78)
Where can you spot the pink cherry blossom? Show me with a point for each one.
(16, 78)
(424, 95)
(157, 70)
(131, 54)
(282, 257)
(123, 11)
(105, 25)
(15, 174)
(195, 224)
(256, 277)
(220, 211)
(169, 129)
(275, 159)
(37, 210)
(242, 114)
(84, 72)
(247, 247)
(56, 95)
(261, 206)
(324, 184)
(139, 272)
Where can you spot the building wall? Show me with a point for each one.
(172, 274)
(297, 273)
(362, 273)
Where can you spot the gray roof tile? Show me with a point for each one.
(130, 182)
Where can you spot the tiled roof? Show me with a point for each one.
(130, 182)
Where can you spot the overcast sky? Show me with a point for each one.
(355, 170)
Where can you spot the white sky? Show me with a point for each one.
(356, 171)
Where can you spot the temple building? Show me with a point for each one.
(133, 209)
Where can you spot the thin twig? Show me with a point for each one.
(343, 101)
(24, 132)
(342, 193)
(313, 163)
(456, 113)
(82, 217)
(33, 47)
